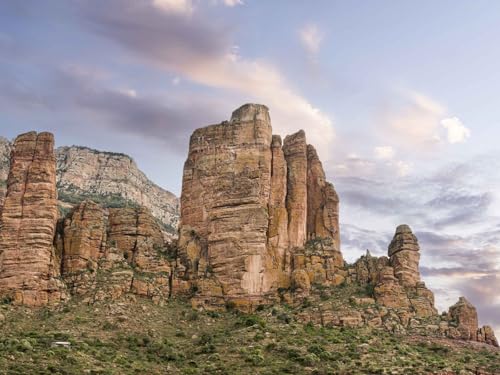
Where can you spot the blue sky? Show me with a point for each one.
(400, 99)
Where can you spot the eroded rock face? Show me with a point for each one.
(83, 238)
(404, 254)
(28, 269)
(109, 252)
(244, 211)
(295, 150)
(322, 202)
(82, 171)
(465, 315)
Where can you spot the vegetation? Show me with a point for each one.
(108, 200)
(143, 338)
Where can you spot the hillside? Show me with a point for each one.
(138, 337)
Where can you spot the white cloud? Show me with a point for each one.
(403, 168)
(176, 81)
(415, 123)
(232, 3)
(261, 82)
(457, 132)
(311, 38)
(184, 7)
(384, 152)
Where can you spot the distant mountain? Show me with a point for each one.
(112, 179)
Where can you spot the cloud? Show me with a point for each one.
(232, 3)
(415, 122)
(76, 90)
(384, 152)
(200, 50)
(311, 38)
(183, 7)
(457, 132)
(421, 124)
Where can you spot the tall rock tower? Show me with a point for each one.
(248, 207)
(28, 270)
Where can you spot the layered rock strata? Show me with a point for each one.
(28, 269)
(245, 218)
(109, 252)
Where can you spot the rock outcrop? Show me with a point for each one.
(113, 179)
(404, 254)
(28, 268)
(86, 173)
(109, 252)
(244, 210)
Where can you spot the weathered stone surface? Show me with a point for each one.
(368, 268)
(322, 202)
(404, 254)
(82, 171)
(278, 214)
(83, 238)
(244, 210)
(487, 335)
(389, 292)
(464, 314)
(28, 272)
(422, 301)
(225, 196)
(295, 150)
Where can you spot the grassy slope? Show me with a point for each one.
(142, 338)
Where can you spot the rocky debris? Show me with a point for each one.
(28, 269)
(404, 254)
(244, 211)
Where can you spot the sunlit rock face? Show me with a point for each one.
(28, 266)
(244, 208)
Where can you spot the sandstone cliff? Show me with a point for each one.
(244, 209)
(28, 268)
(110, 178)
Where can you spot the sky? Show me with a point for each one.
(399, 98)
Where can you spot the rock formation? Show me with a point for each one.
(404, 254)
(88, 173)
(109, 252)
(28, 270)
(260, 225)
(244, 210)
